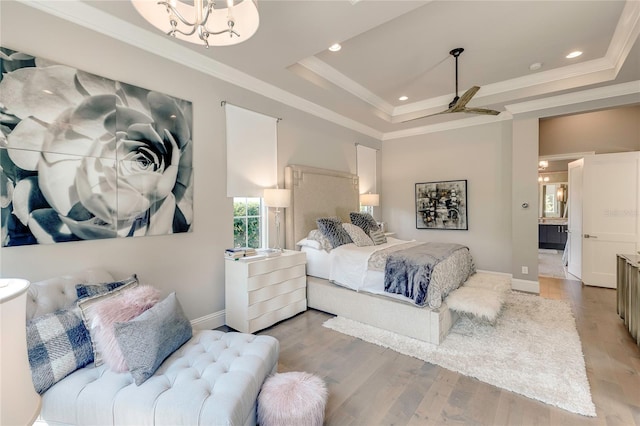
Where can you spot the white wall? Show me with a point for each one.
(190, 264)
(482, 156)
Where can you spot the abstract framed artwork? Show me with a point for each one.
(83, 157)
(442, 205)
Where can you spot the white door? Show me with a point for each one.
(610, 221)
(574, 244)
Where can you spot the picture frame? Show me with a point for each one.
(86, 157)
(442, 205)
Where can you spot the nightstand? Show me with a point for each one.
(261, 292)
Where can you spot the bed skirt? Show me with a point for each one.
(422, 323)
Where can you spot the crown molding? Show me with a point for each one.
(86, 16)
(597, 94)
(598, 70)
(625, 34)
(331, 74)
(589, 72)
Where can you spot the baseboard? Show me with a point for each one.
(506, 274)
(525, 285)
(209, 322)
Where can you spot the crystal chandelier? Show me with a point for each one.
(200, 22)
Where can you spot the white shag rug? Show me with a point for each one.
(533, 349)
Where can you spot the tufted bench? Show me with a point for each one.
(213, 379)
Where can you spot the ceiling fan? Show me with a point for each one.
(459, 103)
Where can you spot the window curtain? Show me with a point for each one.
(366, 160)
(252, 140)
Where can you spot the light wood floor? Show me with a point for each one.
(370, 385)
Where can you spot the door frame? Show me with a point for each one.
(572, 156)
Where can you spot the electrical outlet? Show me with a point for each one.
(525, 270)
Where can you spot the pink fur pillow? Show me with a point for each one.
(122, 308)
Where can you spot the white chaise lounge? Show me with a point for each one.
(213, 379)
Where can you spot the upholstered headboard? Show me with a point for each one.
(317, 193)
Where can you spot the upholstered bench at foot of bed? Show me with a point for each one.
(213, 379)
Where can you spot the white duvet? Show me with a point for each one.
(348, 267)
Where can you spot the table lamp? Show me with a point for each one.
(370, 200)
(278, 198)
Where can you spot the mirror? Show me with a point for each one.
(553, 199)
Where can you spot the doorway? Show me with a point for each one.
(553, 216)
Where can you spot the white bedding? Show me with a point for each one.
(317, 262)
(348, 266)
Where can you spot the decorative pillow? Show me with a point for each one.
(357, 235)
(58, 344)
(332, 229)
(147, 340)
(364, 221)
(88, 311)
(316, 235)
(378, 237)
(129, 305)
(305, 242)
(84, 291)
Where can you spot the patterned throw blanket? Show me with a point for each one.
(408, 272)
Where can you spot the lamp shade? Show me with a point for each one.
(20, 404)
(274, 197)
(370, 199)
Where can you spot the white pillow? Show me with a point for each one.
(357, 235)
(305, 242)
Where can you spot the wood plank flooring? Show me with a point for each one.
(370, 385)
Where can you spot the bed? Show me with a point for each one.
(336, 287)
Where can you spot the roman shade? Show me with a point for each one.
(251, 152)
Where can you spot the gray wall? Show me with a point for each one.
(611, 130)
(525, 190)
(482, 156)
(190, 264)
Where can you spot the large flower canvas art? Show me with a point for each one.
(84, 157)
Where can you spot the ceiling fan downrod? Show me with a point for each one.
(455, 53)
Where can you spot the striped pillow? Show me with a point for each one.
(378, 237)
(364, 221)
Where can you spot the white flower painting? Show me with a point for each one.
(83, 157)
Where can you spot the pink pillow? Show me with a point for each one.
(122, 308)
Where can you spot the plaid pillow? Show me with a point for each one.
(58, 344)
(84, 291)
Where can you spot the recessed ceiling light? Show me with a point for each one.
(335, 47)
(574, 54)
(535, 66)
(403, 98)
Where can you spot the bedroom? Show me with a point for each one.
(192, 262)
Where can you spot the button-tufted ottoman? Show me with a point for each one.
(213, 379)
(292, 399)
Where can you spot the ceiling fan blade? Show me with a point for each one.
(446, 111)
(481, 111)
(466, 97)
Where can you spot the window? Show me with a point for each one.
(248, 222)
